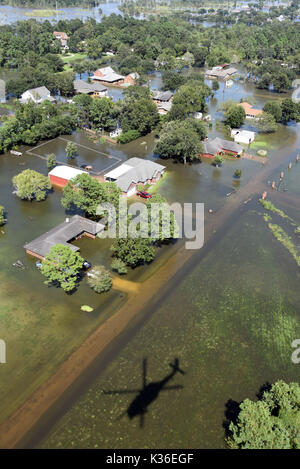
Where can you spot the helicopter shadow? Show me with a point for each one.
(149, 392)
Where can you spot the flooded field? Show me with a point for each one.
(230, 322)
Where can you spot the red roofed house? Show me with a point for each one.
(250, 111)
(63, 38)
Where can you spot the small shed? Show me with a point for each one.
(61, 175)
(243, 136)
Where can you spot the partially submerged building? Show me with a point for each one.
(133, 172)
(250, 111)
(108, 76)
(61, 175)
(36, 95)
(71, 229)
(163, 101)
(96, 90)
(221, 73)
(216, 146)
(243, 136)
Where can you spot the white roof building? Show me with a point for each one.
(36, 95)
(60, 175)
(243, 136)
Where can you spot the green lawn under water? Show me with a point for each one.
(230, 322)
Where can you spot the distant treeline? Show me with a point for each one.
(50, 3)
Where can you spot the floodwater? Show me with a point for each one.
(10, 14)
(229, 316)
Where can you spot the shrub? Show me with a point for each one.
(218, 160)
(99, 279)
(128, 136)
(51, 161)
(119, 266)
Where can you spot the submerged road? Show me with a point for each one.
(14, 431)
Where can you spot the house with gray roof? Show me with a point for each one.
(36, 95)
(68, 231)
(133, 172)
(212, 147)
(162, 96)
(93, 89)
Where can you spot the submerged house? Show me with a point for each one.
(61, 175)
(96, 90)
(212, 147)
(36, 95)
(250, 111)
(133, 172)
(221, 73)
(71, 229)
(108, 76)
(163, 101)
(243, 136)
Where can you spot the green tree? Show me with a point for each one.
(101, 112)
(290, 110)
(218, 160)
(281, 82)
(71, 150)
(133, 251)
(273, 422)
(86, 193)
(140, 114)
(215, 85)
(62, 266)
(51, 161)
(274, 108)
(266, 123)
(179, 140)
(99, 279)
(30, 184)
(119, 266)
(235, 116)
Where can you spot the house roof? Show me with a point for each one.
(61, 35)
(218, 144)
(134, 170)
(63, 234)
(251, 111)
(107, 74)
(162, 95)
(221, 73)
(66, 172)
(83, 87)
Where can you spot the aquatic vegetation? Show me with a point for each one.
(285, 240)
(87, 308)
(271, 207)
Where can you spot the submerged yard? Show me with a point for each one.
(230, 322)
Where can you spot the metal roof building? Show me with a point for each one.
(60, 175)
(133, 172)
(69, 230)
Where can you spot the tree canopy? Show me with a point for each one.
(30, 184)
(273, 422)
(62, 266)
